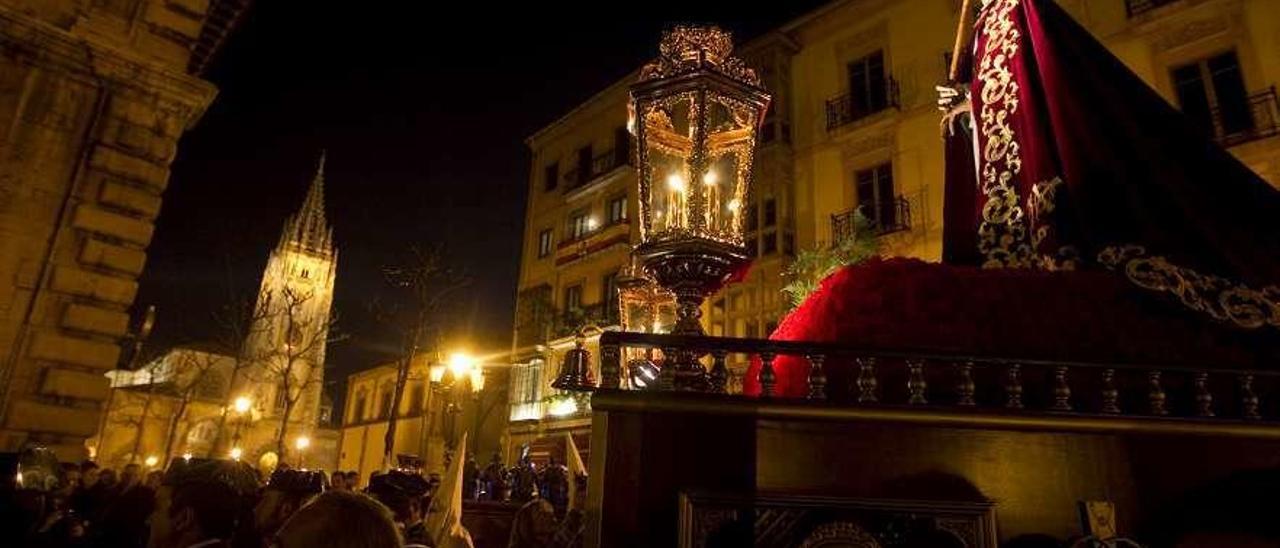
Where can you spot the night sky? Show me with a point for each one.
(424, 115)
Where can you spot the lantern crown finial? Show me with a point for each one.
(687, 48)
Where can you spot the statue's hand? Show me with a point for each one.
(954, 103)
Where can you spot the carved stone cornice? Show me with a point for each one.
(100, 64)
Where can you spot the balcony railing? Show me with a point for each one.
(989, 390)
(1138, 7)
(570, 321)
(892, 216)
(603, 163)
(847, 109)
(1258, 118)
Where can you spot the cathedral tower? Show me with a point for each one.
(294, 302)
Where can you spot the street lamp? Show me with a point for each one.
(151, 461)
(697, 110)
(301, 444)
(236, 453)
(241, 405)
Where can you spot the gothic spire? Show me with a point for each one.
(307, 228)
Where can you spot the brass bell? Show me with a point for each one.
(575, 370)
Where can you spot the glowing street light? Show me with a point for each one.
(236, 453)
(151, 461)
(461, 363)
(242, 404)
(302, 443)
(186, 456)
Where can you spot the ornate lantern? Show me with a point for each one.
(646, 308)
(695, 111)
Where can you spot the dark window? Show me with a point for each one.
(788, 243)
(584, 164)
(770, 212)
(753, 329)
(550, 176)
(1212, 93)
(753, 247)
(384, 410)
(753, 217)
(609, 296)
(544, 243)
(579, 224)
(769, 243)
(617, 209)
(621, 146)
(875, 195)
(281, 397)
(573, 297)
(416, 398)
(769, 328)
(357, 412)
(868, 87)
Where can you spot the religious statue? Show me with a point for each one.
(1059, 157)
(524, 478)
(493, 480)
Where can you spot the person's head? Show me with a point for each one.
(107, 478)
(88, 473)
(338, 480)
(198, 502)
(70, 475)
(154, 478)
(353, 479)
(340, 518)
(402, 493)
(286, 492)
(534, 524)
(130, 476)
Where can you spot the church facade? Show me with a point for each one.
(261, 402)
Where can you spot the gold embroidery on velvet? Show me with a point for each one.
(1002, 234)
(1218, 297)
(1040, 206)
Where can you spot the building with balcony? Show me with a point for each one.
(852, 128)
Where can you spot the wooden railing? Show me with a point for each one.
(948, 382)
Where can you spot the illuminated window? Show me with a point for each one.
(617, 209)
(579, 224)
(544, 243)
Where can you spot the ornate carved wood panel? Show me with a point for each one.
(802, 521)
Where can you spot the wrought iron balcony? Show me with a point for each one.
(892, 216)
(1258, 118)
(1138, 7)
(570, 321)
(601, 164)
(991, 391)
(849, 108)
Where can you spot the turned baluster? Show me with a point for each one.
(1013, 386)
(916, 384)
(719, 377)
(1248, 399)
(1061, 390)
(1155, 394)
(867, 380)
(1204, 398)
(817, 378)
(1110, 395)
(667, 375)
(965, 387)
(610, 366)
(767, 378)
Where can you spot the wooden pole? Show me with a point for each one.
(964, 34)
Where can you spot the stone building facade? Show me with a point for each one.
(93, 99)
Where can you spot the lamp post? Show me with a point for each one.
(241, 406)
(301, 444)
(696, 112)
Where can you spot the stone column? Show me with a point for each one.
(91, 109)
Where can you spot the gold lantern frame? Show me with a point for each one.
(696, 112)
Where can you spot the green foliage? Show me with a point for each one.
(811, 266)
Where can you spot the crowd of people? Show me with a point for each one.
(208, 503)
